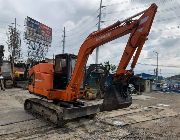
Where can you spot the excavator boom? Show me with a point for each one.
(138, 29)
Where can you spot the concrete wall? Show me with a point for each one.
(144, 85)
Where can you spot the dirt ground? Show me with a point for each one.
(151, 116)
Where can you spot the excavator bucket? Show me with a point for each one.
(116, 97)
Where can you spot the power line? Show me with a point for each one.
(166, 19)
(131, 8)
(114, 20)
(154, 65)
(168, 29)
(78, 38)
(83, 24)
(81, 32)
(134, 8)
(159, 65)
(140, 1)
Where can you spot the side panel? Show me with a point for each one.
(42, 79)
(43, 83)
(46, 68)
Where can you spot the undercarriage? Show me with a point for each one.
(57, 114)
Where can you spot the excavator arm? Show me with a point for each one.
(138, 30)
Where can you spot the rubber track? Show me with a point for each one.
(46, 110)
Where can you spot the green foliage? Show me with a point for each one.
(14, 43)
(112, 67)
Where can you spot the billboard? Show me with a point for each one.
(37, 32)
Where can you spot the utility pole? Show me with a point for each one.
(99, 27)
(14, 45)
(14, 40)
(64, 36)
(157, 66)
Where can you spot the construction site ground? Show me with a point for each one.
(153, 115)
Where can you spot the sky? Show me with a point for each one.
(79, 17)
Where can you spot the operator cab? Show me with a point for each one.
(64, 66)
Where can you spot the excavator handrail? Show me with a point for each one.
(130, 18)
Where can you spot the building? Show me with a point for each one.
(141, 84)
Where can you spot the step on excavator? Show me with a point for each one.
(59, 84)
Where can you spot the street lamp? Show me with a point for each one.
(157, 66)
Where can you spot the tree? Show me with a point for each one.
(14, 43)
(36, 51)
(112, 67)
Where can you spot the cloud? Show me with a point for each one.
(80, 19)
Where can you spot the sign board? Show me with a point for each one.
(38, 32)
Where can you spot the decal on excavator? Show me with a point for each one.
(38, 80)
(142, 21)
(103, 36)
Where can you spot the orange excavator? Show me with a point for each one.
(59, 84)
